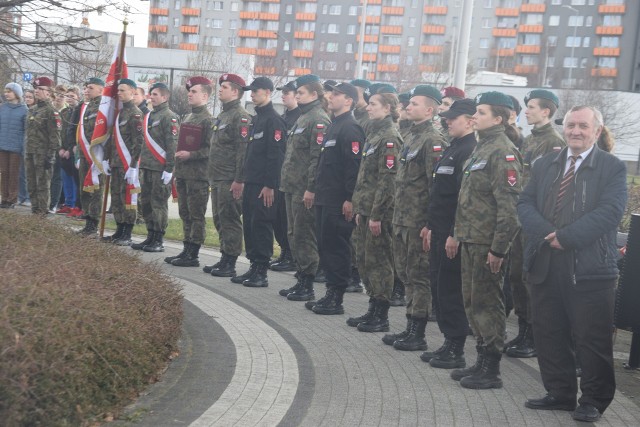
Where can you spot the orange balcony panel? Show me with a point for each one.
(159, 11)
(525, 69)
(188, 46)
(526, 48)
(436, 10)
(306, 17)
(606, 51)
(503, 52)
(533, 8)
(247, 33)
(189, 29)
(385, 48)
(369, 38)
(159, 45)
(370, 19)
(507, 11)
(433, 29)
(390, 10)
(531, 28)
(609, 31)
(300, 53)
(272, 1)
(310, 35)
(190, 11)
(266, 52)
(612, 9)
(367, 57)
(246, 50)
(269, 16)
(267, 35)
(604, 72)
(301, 71)
(430, 49)
(389, 68)
(158, 28)
(264, 70)
(391, 29)
(249, 15)
(371, 2)
(504, 32)
(427, 68)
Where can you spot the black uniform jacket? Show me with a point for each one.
(265, 152)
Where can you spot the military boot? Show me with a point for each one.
(259, 277)
(389, 339)
(286, 291)
(458, 374)
(90, 228)
(488, 376)
(277, 260)
(207, 268)
(355, 321)
(305, 291)
(320, 277)
(125, 239)
(397, 296)
(414, 340)
(354, 282)
(140, 246)
(157, 244)
(285, 262)
(379, 322)
(428, 355)
(115, 236)
(522, 329)
(453, 357)
(226, 269)
(190, 259)
(331, 303)
(241, 278)
(526, 348)
(185, 246)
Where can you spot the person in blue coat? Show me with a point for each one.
(12, 121)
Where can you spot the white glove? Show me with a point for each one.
(166, 177)
(105, 167)
(131, 176)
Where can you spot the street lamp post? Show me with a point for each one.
(573, 42)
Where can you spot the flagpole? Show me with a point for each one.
(119, 64)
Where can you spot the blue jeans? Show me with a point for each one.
(69, 188)
(23, 194)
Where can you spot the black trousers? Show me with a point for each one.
(334, 235)
(446, 280)
(562, 309)
(280, 224)
(257, 224)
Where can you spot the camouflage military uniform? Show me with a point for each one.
(42, 144)
(299, 175)
(373, 200)
(91, 200)
(486, 220)
(362, 117)
(404, 127)
(226, 165)
(542, 140)
(162, 125)
(413, 182)
(191, 179)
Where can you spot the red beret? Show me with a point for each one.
(452, 92)
(197, 80)
(232, 78)
(43, 81)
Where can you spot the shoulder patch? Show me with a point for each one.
(55, 113)
(437, 148)
(137, 116)
(557, 148)
(511, 177)
(391, 160)
(277, 135)
(355, 147)
(510, 158)
(174, 120)
(389, 144)
(319, 126)
(244, 120)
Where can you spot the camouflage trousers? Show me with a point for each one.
(38, 182)
(122, 213)
(412, 267)
(91, 202)
(482, 296)
(375, 259)
(193, 197)
(301, 230)
(154, 200)
(519, 291)
(226, 217)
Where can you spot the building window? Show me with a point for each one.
(176, 5)
(394, 20)
(273, 8)
(272, 26)
(556, 2)
(234, 6)
(332, 47)
(482, 62)
(570, 62)
(552, 41)
(207, 23)
(411, 41)
(589, 21)
(586, 41)
(253, 6)
(533, 19)
(612, 20)
(486, 22)
(217, 5)
(174, 40)
(484, 43)
(335, 9)
(176, 22)
(551, 61)
(408, 60)
(288, 10)
(487, 4)
(252, 25)
(347, 66)
(576, 21)
(231, 41)
(353, 10)
(216, 41)
(323, 28)
(609, 41)
(287, 27)
(285, 46)
(351, 29)
(310, 8)
(607, 62)
(529, 60)
(578, 2)
(531, 39)
(216, 23)
(330, 66)
(348, 48)
(573, 41)
(233, 24)
(333, 29)
(554, 20)
(412, 22)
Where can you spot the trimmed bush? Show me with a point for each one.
(84, 327)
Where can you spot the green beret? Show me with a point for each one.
(158, 85)
(495, 98)
(95, 81)
(361, 83)
(305, 80)
(376, 88)
(128, 82)
(542, 94)
(404, 98)
(428, 91)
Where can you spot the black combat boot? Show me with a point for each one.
(414, 340)
(241, 278)
(331, 303)
(299, 283)
(355, 321)
(397, 297)
(277, 260)
(458, 374)
(285, 262)
(354, 281)
(379, 322)
(157, 244)
(428, 355)
(140, 246)
(207, 268)
(305, 291)
(226, 269)
(488, 376)
(115, 236)
(90, 228)
(191, 257)
(522, 329)
(259, 278)
(389, 339)
(526, 348)
(125, 239)
(453, 357)
(320, 277)
(185, 246)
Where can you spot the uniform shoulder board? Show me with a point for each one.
(244, 120)
(319, 126)
(389, 144)
(510, 158)
(437, 148)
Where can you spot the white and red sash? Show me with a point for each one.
(132, 190)
(91, 180)
(152, 145)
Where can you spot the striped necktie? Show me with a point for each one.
(564, 185)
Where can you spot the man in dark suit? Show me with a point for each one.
(570, 211)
